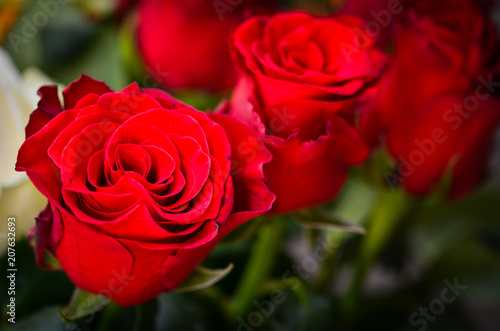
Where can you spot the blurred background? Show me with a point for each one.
(437, 270)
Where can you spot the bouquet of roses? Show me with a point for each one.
(290, 166)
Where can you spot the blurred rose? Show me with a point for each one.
(18, 197)
(381, 15)
(439, 101)
(301, 79)
(139, 185)
(184, 43)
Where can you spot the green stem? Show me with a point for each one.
(350, 207)
(109, 316)
(327, 273)
(138, 318)
(390, 210)
(262, 259)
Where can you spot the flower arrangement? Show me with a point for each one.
(250, 165)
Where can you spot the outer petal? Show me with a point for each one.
(80, 88)
(47, 233)
(307, 173)
(48, 107)
(424, 159)
(165, 99)
(251, 195)
(94, 261)
(145, 279)
(49, 100)
(33, 157)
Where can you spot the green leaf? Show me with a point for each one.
(82, 304)
(203, 277)
(320, 219)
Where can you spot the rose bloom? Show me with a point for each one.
(184, 43)
(438, 108)
(140, 186)
(301, 78)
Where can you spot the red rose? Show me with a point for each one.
(139, 185)
(301, 79)
(184, 43)
(438, 106)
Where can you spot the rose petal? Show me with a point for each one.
(49, 100)
(33, 157)
(98, 263)
(296, 164)
(252, 196)
(102, 128)
(82, 87)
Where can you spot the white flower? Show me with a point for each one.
(18, 196)
(18, 98)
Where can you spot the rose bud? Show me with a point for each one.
(439, 106)
(140, 186)
(301, 77)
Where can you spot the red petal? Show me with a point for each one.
(218, 143)
(144, 282)
(48, 107)
(165, 99)
(48, 232)
(103, 125)
(76, 154)
(88, 100)
(198, 162)
(307, 173)
(94, 262)
(49, 102)
(38, 119)
(82, 87)
(33, 158)
(251, 195)
(127, 103)
(133, 88)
